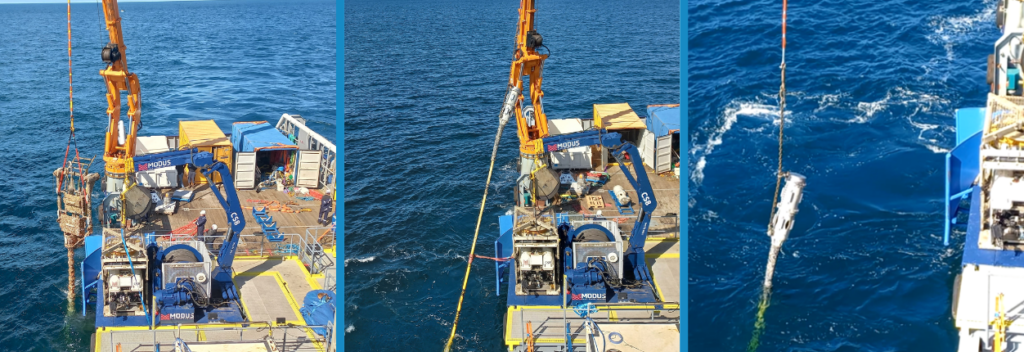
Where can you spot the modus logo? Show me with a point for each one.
(155, 165)
(177, 316)
(588, 296)
(563, 145)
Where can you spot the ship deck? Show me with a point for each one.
(650, 326)
(665, 220)
(271, 289)
(640, 324)
(287, 223)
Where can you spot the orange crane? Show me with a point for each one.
(531, 123)
(118, 79)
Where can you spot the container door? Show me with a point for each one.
(647, 148)
(222, 154)
(307, 169)
(663, 151)
(245, 170)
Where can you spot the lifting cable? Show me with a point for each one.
(66, 167)
(776, 246)
(476, 233)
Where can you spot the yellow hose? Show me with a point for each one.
(476, 233)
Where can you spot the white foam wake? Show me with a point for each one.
(729, 116)
(948, 31)
(360, 260)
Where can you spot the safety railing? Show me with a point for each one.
(557, 327)
(250, 244)
(329, 282)
(662, 226)
(290, 337)
(311, 252)
(1005, 116)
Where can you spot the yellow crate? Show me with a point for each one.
(206, 136)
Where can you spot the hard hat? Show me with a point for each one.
(328, 191)
(202, 212)
(213, 227)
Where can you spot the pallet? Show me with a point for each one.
(595, 202)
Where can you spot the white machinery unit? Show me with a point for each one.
(164, 177)
(578, 158)
(535, 251)
(123, 278)
(620, 194)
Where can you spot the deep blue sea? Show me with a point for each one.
(873, 86)
(423, 87)
(223, 60)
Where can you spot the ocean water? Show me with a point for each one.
(873, 86)
(227, 61)
(423, 87)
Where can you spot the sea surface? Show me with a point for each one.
(225, 60)
(424, 82)
(872, 88)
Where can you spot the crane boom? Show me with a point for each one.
(118, 79)
(531, 123)
(229, 200)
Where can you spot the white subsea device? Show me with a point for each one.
(786, 211)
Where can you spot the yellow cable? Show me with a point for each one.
(476, 233)
(755, 339)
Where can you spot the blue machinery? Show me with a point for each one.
(192, 291)
(623, 152)
(595, 267)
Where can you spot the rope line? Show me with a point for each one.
(476, 233)
(762, 306)
(66, 169)
(492, 258)
(782, 117)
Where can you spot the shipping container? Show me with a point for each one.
(207, 137)
(660, 144)
(618, 118)
(316, 159)
(261, 149)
